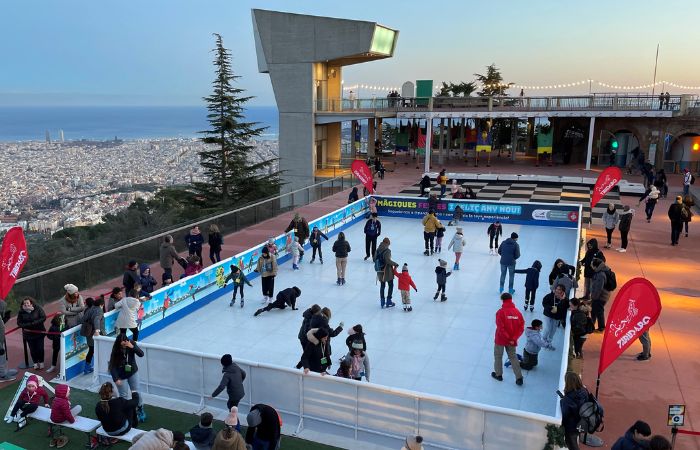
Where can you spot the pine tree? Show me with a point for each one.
(232, 177)
(492, 83)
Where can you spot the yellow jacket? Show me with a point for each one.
(430, 223)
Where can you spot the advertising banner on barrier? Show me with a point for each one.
(170, 303)
(545, 214)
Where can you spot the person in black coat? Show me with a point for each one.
(131, 276)
(575, 395)
(116, 414)
(321, 320)
(286, 297)
(194, 241)
(231, 380)
(554, 307)
(315, 241)
(425, 185)
(317, 355)
(356, 334)
(532, 282)
(354, 195)
(30, 319)
(592, 251)
(216, 241)
(263, 427)
(373, 229)
(675, 214)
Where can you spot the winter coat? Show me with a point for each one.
(38, 395)
(387, 274)
(160, 439)
(535, 341)
(627, 442)
(267, 267)
(120, 411)
(591, 253)
(238, 278)
(315, 238)
(674, 212)
(509, 324)
(373, 228)
(71, 311)
(598, 291)
(321, 321)
(356, 337)
(314, 352)
(405, 281)
(509, 251)
(167, 255)
(296, 249)
(215, 241)
(610, 220)
(532, 275)
(232, 381)
(441, 275)
(288, 297)
(128, 308)
(424, 184)
(353, 196)
(234, 442)
(60, 407)
(550, 301)
(203, 437)
(440, 230)
(579, 320)
(305, 326)
(34, 321)
(688, 202)
(148, 283)
(192, 269)
(341, 248)
(301, 229)
(362, 364)
(130, 279)
(194, 242)
(457, 243)
(96, 317)
(564, 269)
(430, 223)
(119, 372)
(625, 220)
(495, 230)
(269, 428)
(570, 405)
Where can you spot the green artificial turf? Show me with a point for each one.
(34, 435)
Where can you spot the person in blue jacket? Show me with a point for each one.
(148, 283)
(635, 438)
(373, 229)
(575, 395)
(194, 241)
(532, 282)
(510, 252)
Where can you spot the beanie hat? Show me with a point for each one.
(297, 290)
(357, 345)
(404, 268)
(266, 250)
(232, 418)
(459, 230)
(226, 360)
(414, 443)
(514, 235)
(442, 262)
(271, 241)
(253, 418)
(33, 379)
(71, 289)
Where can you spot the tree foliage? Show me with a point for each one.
(457, 90)
(492, 83)
(232, 176)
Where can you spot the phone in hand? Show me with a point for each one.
(560, 394)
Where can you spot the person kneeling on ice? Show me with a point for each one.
(239, 279)
(287, 297)
(405, 284)
(457, 245)
(535, 342)
(441, 275)
(297, 252)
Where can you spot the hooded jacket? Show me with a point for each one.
(388, 273)
(341, 248)
(71, 311)
(625, 219)
(570, 405)
(457, 243)
(129, 280)
(532, 275)
(535, 341)
(373, 228)
(128, 307)
(509, 251)
(598, 291)
(268, 430)
(593, 252)
(610, 220)
(167, 255)
(305, 325)
(202, 437)
(60, 407)
(441, 275)
(430, 223)
(148, 283)
(38, 395)
(300, 227)
(627, 442)
(234, 442)
(160, 439)
(232, 381)
(314, 352)
(405, 281)
(194, 242)
(315, 238)
(32, 320)
(550, 301)
(579, 320)
(287, 297)
(509, 324)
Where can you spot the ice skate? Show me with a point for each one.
(426, 253)
(436, 295)
(443, 298)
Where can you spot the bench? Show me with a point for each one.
(128, 437)
(83, 424)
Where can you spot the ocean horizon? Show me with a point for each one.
(100, 123)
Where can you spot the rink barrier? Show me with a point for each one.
(526, 213)
(171, 303)
(359, 411)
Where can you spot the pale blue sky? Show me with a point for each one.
(157, 52)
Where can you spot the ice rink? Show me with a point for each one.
(442, 348)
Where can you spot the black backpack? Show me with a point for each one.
(692, 179)
(610, 281)
(591, 413)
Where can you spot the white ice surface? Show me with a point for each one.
(439, 348)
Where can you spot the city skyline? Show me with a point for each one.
(159, 53)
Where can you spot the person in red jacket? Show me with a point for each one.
(61, 410)
(405, 284)
(29, 401)
(509, 327)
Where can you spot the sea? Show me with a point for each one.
(31, 123)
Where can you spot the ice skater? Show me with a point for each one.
(532, 282)
(457, 245)
(439, 234)
(430, 224)
(510, 252)
(296, 250)
(315, 241)
(239, 279)
(286, 297)
(494, 231)
(534, 344)
(456, 216)
(405, 285)
(441, 275)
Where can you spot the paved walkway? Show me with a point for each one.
(630, 390)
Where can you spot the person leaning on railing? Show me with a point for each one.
(31, 319)
(72, 305)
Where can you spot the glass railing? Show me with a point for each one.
(91, 269)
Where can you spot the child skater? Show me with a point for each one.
(456, 216)
(494, 231)
(405, 284)
(315, 241)
(441, 275)
(532, 282)
(296, 250)
(272, 247)
(239, 279)
(535, 342)
(457, 245)
(439, 234)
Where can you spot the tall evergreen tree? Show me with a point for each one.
(232, 176)
(492, 83)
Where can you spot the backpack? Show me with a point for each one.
(379, 262)
(86, 326)
(610, 281)
(591, 413)
(685, 214)
(692, 179)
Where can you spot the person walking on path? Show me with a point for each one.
(131, 276)
(267, 268)
(215, 242)
(592, 251)
(575, 395)
(675, 213)
(239, 280)
(579, 325)
(30, 319)
(509, 327)
(167, 256)
(457, 245)
(300, 227)
(624, 226)
(532, 282)
(688, 179)
(194, 241)
(688, 203)
(430, 225)
(231, 380)
(441, 275)
(610, 220)
(315, 241)
(373, 229)
(494, 231)
(384, 266)
(510, 252)
(645, 340)
(442, 181)
(286, 297)
(341, 248)
(405, 285)
(555, 304)
(72, 305)
(599, 295)
(650, 197)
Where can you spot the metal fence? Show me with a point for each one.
(88, 270)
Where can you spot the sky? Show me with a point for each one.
(158, 52)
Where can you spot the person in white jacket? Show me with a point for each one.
(457, 245)
(128, 308)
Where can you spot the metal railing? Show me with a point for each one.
(91, 269)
